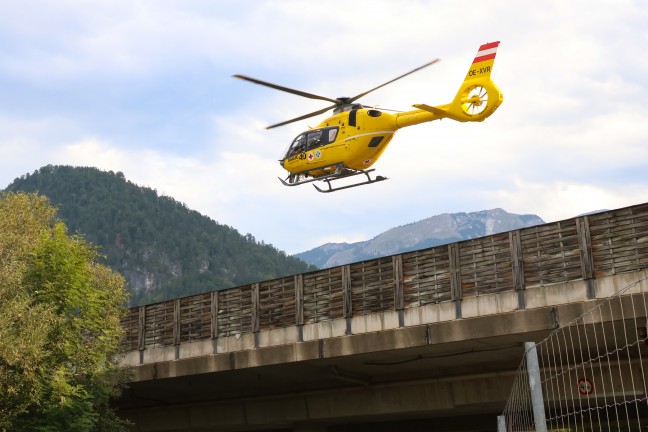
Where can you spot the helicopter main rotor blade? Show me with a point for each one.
(286, 89)
(378, 107)
(350, 100)
(313, 114)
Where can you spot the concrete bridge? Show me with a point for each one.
(426, 340)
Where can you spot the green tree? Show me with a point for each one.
(59, 324)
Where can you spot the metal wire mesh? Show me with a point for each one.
(591, 370)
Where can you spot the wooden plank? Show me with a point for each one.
(347, 305)
(585, 247)
(372, 286)
(323, 295)
(485, 265)
(516, 260)
(142, 328)
(255, 307)
(159, 324)
(235, 311)
(455, 271)
(277, 303)
(426, 277)
(176, 322)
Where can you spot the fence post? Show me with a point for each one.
(214, 320)
(397, 264)
(535, 384)
(256, 313)
(299, 306)
(347, 307)
(399, 301)
(176, 322)
(176, 327)
(141, 333)
(455, 277)
(141, 329)
(517, 267)
(586, 258)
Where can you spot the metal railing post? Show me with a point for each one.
(501, 423)
(535, 384)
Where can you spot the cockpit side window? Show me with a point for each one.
(332, 133)
(314, 139)
(327, 135)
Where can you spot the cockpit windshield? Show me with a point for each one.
(311, 139)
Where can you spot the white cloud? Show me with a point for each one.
(570, 137)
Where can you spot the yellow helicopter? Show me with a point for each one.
(351, 141)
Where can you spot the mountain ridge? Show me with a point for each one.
(433, 231)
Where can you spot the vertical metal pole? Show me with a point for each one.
(501, 423)
(533, 369)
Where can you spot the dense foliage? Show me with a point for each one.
(163, 249)
(59, 324)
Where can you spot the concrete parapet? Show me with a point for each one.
(240, 342)
(608, 286)
(374, 322)
(430, 313)
(324, 329)
(489, 304)
(155, 355)
(556, 294)
(279, 336)
(196, 349)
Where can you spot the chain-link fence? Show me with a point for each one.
(589, 374)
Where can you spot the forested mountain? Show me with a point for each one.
(162, 248)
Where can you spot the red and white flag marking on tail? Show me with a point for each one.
(486, 52)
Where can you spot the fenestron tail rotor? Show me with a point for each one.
(338, 102)
(475, 101)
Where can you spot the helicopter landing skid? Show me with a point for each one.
(339, 173)
(332, 177)
(297, 182)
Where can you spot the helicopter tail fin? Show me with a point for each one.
(482, 65)
(478, 97)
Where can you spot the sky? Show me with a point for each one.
(146, 88)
